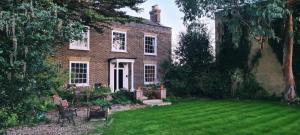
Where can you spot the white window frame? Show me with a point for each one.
(155, 74)
(82, 48)
(112, 41)
(87, 73)
(155, 45)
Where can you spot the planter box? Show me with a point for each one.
(96, 113)
(159, 93)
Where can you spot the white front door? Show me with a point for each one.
(122, 79)
(125, 77)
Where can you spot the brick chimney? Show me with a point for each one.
(155, 14)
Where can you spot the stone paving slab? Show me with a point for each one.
(156, 102)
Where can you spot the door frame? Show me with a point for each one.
(129, 66)
(125, 76)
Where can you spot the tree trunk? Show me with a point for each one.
(290, 87)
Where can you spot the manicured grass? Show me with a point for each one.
(209, 117)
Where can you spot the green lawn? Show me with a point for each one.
(209, 117)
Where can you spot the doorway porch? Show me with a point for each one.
(121, 74)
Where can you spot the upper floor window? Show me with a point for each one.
(150, 45)
(150, 73)
(79, 73)
(119, 43)
(84, 43)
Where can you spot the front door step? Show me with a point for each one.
(156, 102)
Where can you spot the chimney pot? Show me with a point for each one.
(155, 14)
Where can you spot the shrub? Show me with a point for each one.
(102, 103)
(172, 99)
(7, 119)
(152, 87)
(100, 92)
(176, 81)
(66, 94)
(43, 104)
(123, 97)
(251, 89)
(151, 94)
(215, 84)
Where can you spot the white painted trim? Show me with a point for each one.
(155, 45)
(132, 77)
(155, 76)
(150, 34)
(117, 76)
(111, 77)
(82, 48)
(123, 60)
(112, 41)
(87, 75)
(125, 72)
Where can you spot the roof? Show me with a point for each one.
(149, 22)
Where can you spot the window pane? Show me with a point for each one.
(79, 73)
(119, 41)
(150, 45)
(150, 74)
(83, 43)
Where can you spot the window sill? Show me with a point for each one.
(82, 85)
(150, 54)
(149, 83)
(119, 51)
(80, 49)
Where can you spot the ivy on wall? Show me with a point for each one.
(236, 63)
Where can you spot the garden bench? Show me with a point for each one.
(64, 111)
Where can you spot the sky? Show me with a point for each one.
(171, 17)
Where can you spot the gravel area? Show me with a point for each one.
(52, 128)
(82, 126)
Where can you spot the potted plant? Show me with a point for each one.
(102, 111)
(103, 104)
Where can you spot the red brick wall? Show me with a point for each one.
(100, 51)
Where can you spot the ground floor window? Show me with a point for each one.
(150, 73)
(79, 73)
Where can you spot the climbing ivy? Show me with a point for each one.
(277, 46)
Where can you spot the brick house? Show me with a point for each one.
(123, 56)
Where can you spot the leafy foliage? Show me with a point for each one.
(99, 92)
(230, 56)
(92, 12)
(197, 74)
(102, 103)
(194, 48)
(194, 56)
(233, 62)
(215, 84)
(172, 99)
(277, 48)
(30, 33)
(7, 119)
(123, 97)
(250, 89)
(256, 15)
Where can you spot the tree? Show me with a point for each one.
(194, 48)
(31, 31)
(257, 16)
(194, 56)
